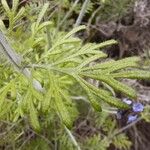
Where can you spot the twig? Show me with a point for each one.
(126, 127)
(16, 60)
(82, 12)
(25, 141)
(72, 138)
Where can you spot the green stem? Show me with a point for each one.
(72, 138)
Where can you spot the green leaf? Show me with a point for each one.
(37, 94)
(34, 117)
(44, 24)
(121, 141)
(62, 110)
(112, 65)
(19, 14)
(6, 7)
(66, 41)
(59, 103)
(90, 59)
(103, 95)
(118, 86)
(132, 74)
(104, 44)
(96, 105)
(41, 15)
(2, 26)
(15, 4)
(37, 41)
(47, 100)
(72, 32)
(3, 92)
(146, 113)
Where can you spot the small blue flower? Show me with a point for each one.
(137, 107)
(132, 118)
(127, 101)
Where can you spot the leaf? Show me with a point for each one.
(146, 113)
(33, 28)
(60, 106)
(15, 5)
(103, 95)
(13, 90)
(75, 30)
(95, 104)
(120, 87)
(104, 44)
(69, 104)
(37, 41)
(89, 49)
(19, 14)
(18, 112)
(6, 7)
(47, 100)
(90, 59)
(3, 93)
(114, 84)
(44, 24)
(62, 110)
(67, 41)
(4, 110)
(72, 57)
(124, 63)
(121, 141)
(115, 65)
(41, 15)
(2, 99)
(132, 74)
(2, 26)
(37, 94)
(34, 117)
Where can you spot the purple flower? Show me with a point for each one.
(127, 101)
(132, 118)
(137, 107)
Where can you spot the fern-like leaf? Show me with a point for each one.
(132, 74)
(103, 95)
(118, 86)
(96, 105)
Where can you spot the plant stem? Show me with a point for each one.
(82, 12)
(126, 127)
(72, 138)
(16, 60)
